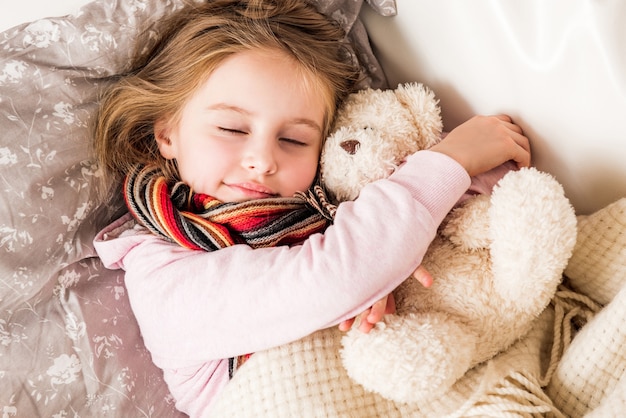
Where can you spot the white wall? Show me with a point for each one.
(558, 67)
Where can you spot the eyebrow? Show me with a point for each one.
(295, 121)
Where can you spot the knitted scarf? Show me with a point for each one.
(201, 222)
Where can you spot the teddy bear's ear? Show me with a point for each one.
(424, 107)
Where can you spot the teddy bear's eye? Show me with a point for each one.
(351, 146)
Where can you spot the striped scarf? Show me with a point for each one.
(201, 222)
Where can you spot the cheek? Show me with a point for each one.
(203, 166)
(307, 171)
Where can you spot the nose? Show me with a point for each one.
(351, 146)
(260, 156)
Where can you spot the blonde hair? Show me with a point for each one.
(193, 42)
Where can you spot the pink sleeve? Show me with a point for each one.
(196, 306)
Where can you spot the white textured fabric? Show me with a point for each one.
(593, 368)
(306, 379)
(613, 404)
(598, 266)
(591, 377)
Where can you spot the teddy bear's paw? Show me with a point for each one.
(409, 358)
(533, 230)
(467, 226)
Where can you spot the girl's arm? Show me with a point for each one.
(196, 306)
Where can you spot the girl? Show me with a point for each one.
(230, 107)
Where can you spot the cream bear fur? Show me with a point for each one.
(496, 261)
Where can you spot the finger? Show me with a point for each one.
(366, 326)
(363, 325)
(509, 123)
(423, 276)
(391, 304)
(518, 135)
(521, 159)
(377, 311)
(515, 128)
(522, 156)
(521, 140)
(346, 325)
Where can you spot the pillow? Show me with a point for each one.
(69, 344)
(347, 13)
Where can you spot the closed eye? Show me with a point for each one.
(231, 130)
(293, 141)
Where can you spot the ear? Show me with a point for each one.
(424, 106)
(162, 137)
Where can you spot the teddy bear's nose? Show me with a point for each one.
(351, 146)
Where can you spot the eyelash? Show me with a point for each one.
(231, 131)
(294, 142)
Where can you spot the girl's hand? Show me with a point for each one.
(485, 142)
(371, 316)
(384, 306)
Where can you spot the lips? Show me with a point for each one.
(253, 190)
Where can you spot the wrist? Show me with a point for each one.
(441, 148)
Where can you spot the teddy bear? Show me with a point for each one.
(496, 260)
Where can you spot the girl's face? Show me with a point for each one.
(252, 130)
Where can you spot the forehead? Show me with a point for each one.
(259, 82)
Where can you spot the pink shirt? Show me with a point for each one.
(196, 309)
